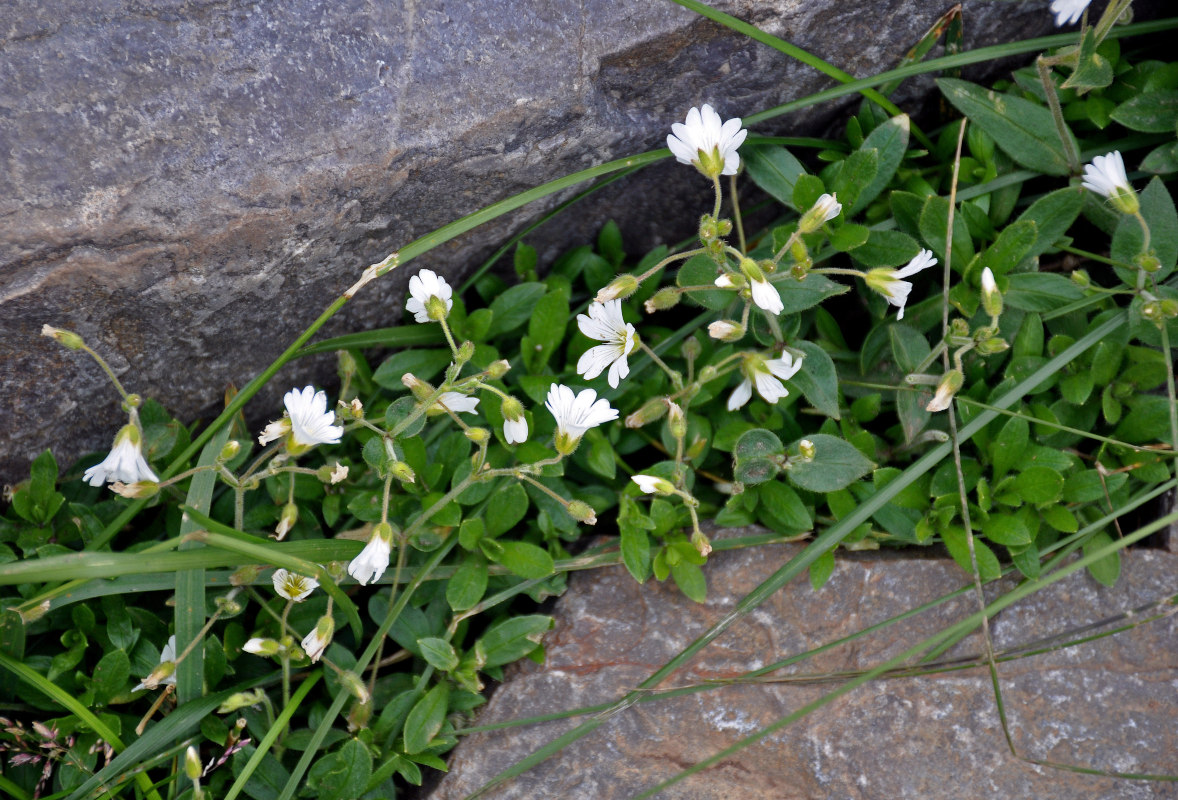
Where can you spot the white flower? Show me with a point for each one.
(605, 324)
(456, 402)
(165, 673)
(293, 586)
(423, 286)
(374, 558)
(948, 386)
(653, 485)
(767, 297)
(763, 371)
(890, 283)
(576, 414)
(274, 431)
(125, 462)
(515, 431)
(310, 421)
(706, 143)
(825, 208)
(1106, 176)
(1068, 11)
(315, 642)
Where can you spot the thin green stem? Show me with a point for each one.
(1061, 126)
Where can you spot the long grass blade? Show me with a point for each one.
(272, 735)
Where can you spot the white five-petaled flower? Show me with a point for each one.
(374, 558)
(764, 373)
(125, 462)
(651, 484)
(707, 143)
(1106, 176)
(423, 286)
(456, 402)
(575, 414)
(1068, 11)
(605, 324)
(307, 420)
(293, 586)
(891, 284)
(165, 673)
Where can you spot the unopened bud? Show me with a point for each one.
(652, 484)
(137, 490)
(227, 605)
(1080, 278)
(825, 209)
(706, 374)
(192, 765)
(359, 716)
(229, 451)
(1148, 261)
(286, 521)
(806, 449)
(676, 420)
(346, 365)
(477, 435)
(651, 411)
(354, 686)
(162, 672)
(260, 646)
(67, 339)
(725, 330)
(730, 280)
(244, 576)
(701, 543)
(950, 383)
(512, 409)
(724, 227)
(619, 288)
(402, 472)
(1169, 308)
(708, 229)
(1152, 311)
(421, 390)
(465, 352)
(667, 297)
(992, 346)
(752, 270)
(691, 348)
(582, 512)
(991, 297)
(317, 640)
(332, 474)
(498, 369)
(241, 700)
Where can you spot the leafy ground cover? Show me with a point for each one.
(957, 336)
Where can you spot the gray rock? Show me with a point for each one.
(1108, 704)
(188, 184)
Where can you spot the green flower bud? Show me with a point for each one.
(708, 229)
(498, 369)
(421, 390)
(806, 449)
(992, 345)
(667, 297)
(435, 308)
(676, 421)
(241, 700)
(724, 227)
(229, 451)
(691, 348)
(477, 435)
(244, 576)
(651, 411)
(701, 543)
(1148, 261)
(465, 352)
(825, 209)
(192, 765)
(1080, 278)
(619, 288)
(67, 339)
(582, 512)
(354, 686)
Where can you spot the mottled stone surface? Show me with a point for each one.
(1109, 704)
(187, 183)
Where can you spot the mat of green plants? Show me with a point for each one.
(955, 331)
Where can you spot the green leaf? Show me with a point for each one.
(470, 532)
(890, 140)
(849, 237)
(1040, 291)
(1052, 215)
(857, 172)
(635, 544)
(1093, 70)
(601, 459)
(781, 509)
(821, 570)
(1007, 530)
(425, 719)
(609, 244)
(1108, 569)
(1011, 247)
(514, 307)
(1023, 129)
(438, 653)
(546, 329)
(1008, 446)
(513, 638)
(110, 676)
(468, 584)
(807, 190)
(524, 260)
(505, 510)
(344, 774)
(909, 347)
(797, 296)
(1151, 112)
(525, 559)
(1038, 485)
(424, 364)
(1061, 519)
(775, 170)
(758, 443)
(690, 580)
(1148, 420)
(818, 379)
(700, 270)
(934, 221)
(958, 546)
(1162, 160)
(1157, 207)
(836, 465)
(886, 249)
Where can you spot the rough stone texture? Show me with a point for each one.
(187, 183)
(1108, 704)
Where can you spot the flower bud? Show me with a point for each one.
(1152, 311)
(137, 490)
(992, 346)
(402, 472)
(991, 297)
(725, 330)
(286, 521)
(825, 209)
(229, 451)
(32, 613)
(317, 640)
(465, 352)
(806, 449)
(163, 671)
(243, 576)
(498, 369)
(691, 348)
(1080, 278)
(1169, 308)
(950, 383)
(723, 226)
(359, 716)
(667, 297)
(731, 280)
(651, 484)
(695, 449)
(676, 420)
(582, 512)
(1148, 261)
(477, 435)
(708, 229)
(241, 700)
(619, 288)
(67, 339)
(260, 646)
(651, 411)
(701, 543)
(706, 374)
(227, 605)
(346, 365)
(421, 390)
(192, 765)
(354, 686)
